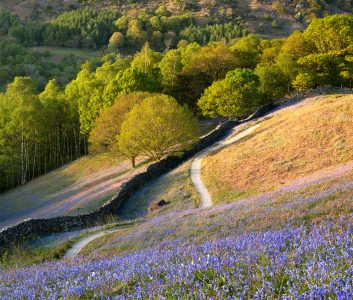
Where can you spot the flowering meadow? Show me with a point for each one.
(294, 263)
(293, 241)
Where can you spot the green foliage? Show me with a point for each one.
(7, 20)
(88, 90)
(157, 127)
(213, 60)
(103, 136)
(27, 255)
(213, 33)
(234, 96)
(247, 51)
(83, 28)
(37, 133)
(231, 80)
(273, 84)
(204, 66)
(117, 40)
(15, 60)
(146, 60)
(303, 81)
(170, 66)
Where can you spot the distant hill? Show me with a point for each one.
(264, 17)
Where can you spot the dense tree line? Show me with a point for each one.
(164, 31)
(40, 131)
(84, 28)
(88, 28)
(16, 60)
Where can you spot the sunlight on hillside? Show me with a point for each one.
(315, 137)
(78, 187)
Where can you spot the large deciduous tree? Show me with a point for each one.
(157, 127)
(107, 126)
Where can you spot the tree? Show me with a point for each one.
(203, 67)
(135, 34)
(21, 109)
(134, 80)
(107, 126)
(213, 60)
(247, 51)
(234, 96)
(146, 60)
(273, 84)
(297, 45)
(171, 66)
(332, 33)
(270, 50)
(157, 127)
(117, 40)
(303, 82)
(325, 68)
(288, 67)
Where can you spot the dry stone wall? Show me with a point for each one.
(31, 228)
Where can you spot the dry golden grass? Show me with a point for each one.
(314, 136)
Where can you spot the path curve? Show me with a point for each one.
(196, 166)
(77, 247)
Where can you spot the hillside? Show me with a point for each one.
(226, 156)
(76, 188)
(264, 17)
(266, 245)
(293, 148)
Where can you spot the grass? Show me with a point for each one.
(175, 188)
(306, 205)
(53, 247)
(57, 54)
(78, 187)
(86, 184)
(313, 190)
(316, 136)
(292, 241)
(27, 254)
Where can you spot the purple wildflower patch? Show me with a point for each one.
(293, 263)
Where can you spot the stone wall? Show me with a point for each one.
(30, 228)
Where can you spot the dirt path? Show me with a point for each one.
(196, 166)
(77, 248)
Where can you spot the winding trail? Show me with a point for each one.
(196, 166)
(77, 247)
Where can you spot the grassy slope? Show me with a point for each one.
(86, 184)
(314, 138)
(320, 190)
(175, 188)
(57, 54)
(78, 187)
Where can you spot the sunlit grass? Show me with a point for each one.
(297, 142)
(175, 188)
